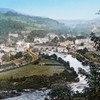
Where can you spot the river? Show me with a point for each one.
(36, 95)
(77, 86)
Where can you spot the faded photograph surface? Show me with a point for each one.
(49, 49)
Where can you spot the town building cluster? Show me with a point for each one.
(65, 46)
(75, 45)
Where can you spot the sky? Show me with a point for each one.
(56, 9)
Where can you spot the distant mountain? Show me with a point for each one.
(12, 21)
(73, 22)
(83, 27)
(5, 10)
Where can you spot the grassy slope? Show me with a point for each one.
(30, 70)
(93, 56)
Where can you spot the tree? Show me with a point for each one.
(93, 91)
(5, 58)
(94, 78)
(55, 40)
(82, 51)
(54, 56)
(18, 55)
(60, 92)
(98, 12)
(61, 39)
(96, 40)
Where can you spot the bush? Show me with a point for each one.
(82, 51)
(1, 96)
(60, 91)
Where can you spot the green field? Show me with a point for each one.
(30, 70)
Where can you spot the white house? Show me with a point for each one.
(41, 40)
(66, 43)
(23, 46)
(13, 35)
(85, 41)
(62, 49)
(79, 41)
(80, 47)
(2, 46)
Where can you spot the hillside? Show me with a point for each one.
(12, 21)
(15, 22)
(83, 27)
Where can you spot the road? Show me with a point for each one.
(33, 55)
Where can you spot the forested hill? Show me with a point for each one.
(11, 21)
(15, 22)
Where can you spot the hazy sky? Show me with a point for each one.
(56, 9)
